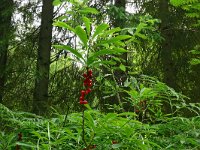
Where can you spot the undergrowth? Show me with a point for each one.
(102, 132)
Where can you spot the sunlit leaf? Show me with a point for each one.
(73, 51)
(88, 10)
(99, 29)
(63, 25)
(56, 2)
(82, 35)
(122, 67)
(87, 25)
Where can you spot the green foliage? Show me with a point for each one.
(192, 8)
(196, 56)
(157, 96)
(101, 130)
(97, 40)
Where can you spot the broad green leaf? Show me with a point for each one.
(111, 31)
(93, 56)
(73, 51)
(195, 61)
(87, 25)
(140, 27)
(117, 38)
(82, 35)
(88, 10)
(100, 29)
(56, 2)
(63, 25)
(195, 51)
(90, 120)
(141, 36)
(122, 67)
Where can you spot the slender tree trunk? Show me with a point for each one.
(40, 97)
(166, 51)
(169, 72)
(6, 7)
(121, 23)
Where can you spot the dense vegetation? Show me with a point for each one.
(81, 74)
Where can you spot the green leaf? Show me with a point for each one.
(141, 36)
(111, 31)
(195, 52)
(100, 29)
(90, 120)
(87, 25)
(25, 145)
(117, 38)
(195, 61)
(88, 10)
(73, 51)
(102, 62)
(56, 2)
(88, 106)
(107, 52)
(93, 56)
(122, 67)
(116, 146)
(82, 35)
(128, 114)
(63, 25)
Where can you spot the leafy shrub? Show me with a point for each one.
(102, 131)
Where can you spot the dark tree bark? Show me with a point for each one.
(169, 73)
(6, 9)
(40, 97)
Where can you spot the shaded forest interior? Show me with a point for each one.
(64, 55)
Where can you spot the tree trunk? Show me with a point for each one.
(6, 7)
(166, 51)
(40, 97)
(169, 73)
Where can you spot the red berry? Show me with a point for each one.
(90, 75)
(82, 93)
(85, 83)
(83, 102)
(85, 75)
(89, 72)
(90, 84)
(88, 91)
(81, 98)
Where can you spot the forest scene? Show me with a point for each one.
(99, 74)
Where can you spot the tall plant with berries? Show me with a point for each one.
(92, 43)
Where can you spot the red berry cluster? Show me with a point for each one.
(87, 83)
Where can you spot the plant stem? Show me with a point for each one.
(83, 126)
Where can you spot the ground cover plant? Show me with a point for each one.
(101, 131)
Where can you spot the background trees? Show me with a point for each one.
(160, 48)
(6, 10)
